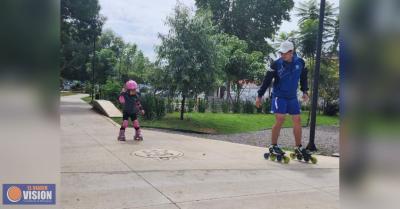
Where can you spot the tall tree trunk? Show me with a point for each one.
(228, 91)
(183, 106)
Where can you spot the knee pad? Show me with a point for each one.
(136, 124)
(125, 123)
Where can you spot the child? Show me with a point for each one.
(131, 102)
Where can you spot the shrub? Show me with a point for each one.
(305, 107)
(202, 106)
(237, 106)
(191, 104)
(160, 107)
(248, 107)
(331, 109)
(225, 105)
(88, 88)
(177, 105)
(266, 106)
(153, 106)
(111, 90)
(214, 106)
(170, 106)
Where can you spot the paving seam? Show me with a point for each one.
(313, 187)
(248, 195)
(187, 170)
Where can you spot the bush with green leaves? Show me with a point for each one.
(111, 90)
(170, 105)
(248, 107)
(202, 105)
(191, 105)
(153, 106)
(305, 107)
(88, 88)
(237, 107)
(225, 105)
(331, 109)
(214, 106)
(266, 106)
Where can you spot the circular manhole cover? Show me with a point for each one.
(163, 154)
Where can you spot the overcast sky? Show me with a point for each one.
(140, 21)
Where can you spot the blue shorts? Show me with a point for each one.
(285, 106)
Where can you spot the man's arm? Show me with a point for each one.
(267, 81)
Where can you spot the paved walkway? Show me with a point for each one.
(100, 172)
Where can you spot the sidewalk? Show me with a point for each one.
(100, 172)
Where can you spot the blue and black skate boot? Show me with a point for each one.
(276, 153)
(302, 153)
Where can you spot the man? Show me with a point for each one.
(286, 71)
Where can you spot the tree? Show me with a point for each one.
(309, 19)
(333, 51)
(252, 21)
(329, 79)
(238, 64)
(81, 24)
(105, 65)
(188, 52)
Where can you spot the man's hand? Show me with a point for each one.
(305, 97)
(258, 102)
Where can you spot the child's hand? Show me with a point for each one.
(142, 112)
(123, 90)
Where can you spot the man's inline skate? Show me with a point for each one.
(302, 153)
(276, 153)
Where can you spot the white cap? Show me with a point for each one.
(286, 46)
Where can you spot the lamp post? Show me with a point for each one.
(93, 57)
(311, 144)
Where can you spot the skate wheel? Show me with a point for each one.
(279, 158)
(266, 156)
(286, 159)
(292, 155)
(272, 157)
(314, 160)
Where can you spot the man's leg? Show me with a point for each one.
(297, 129)
(279, 119)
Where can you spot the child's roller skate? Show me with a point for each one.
(276, 153)
(302, 153)
(121, 136)
(138, 135)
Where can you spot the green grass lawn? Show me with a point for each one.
(219, 123)
(87, 99)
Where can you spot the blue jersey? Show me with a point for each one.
(287, 76)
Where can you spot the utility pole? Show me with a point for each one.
(311, 144)
(93, 58)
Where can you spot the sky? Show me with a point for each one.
(140, 22)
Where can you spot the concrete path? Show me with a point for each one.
(100, 172)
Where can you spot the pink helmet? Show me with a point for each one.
(130, 85)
